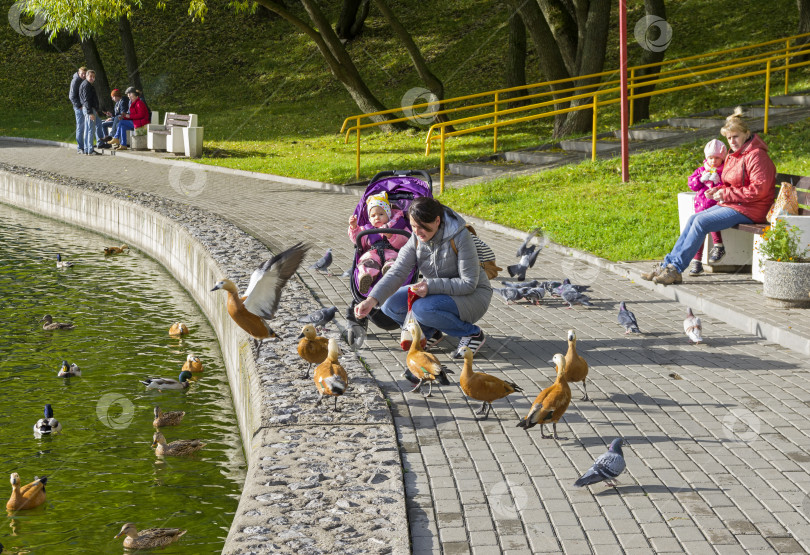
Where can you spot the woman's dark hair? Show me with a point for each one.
(425, 210)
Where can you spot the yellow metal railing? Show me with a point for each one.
(494, 99)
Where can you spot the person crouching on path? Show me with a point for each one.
(744, 196)
(75, 83)
(137, 117)
(90, 110)
(455, 291)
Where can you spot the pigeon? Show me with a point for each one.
(606, 468)
(509, 294)
(533, 294)
(347, 273)
(566, 283)
(627, 319)
(550, 286)
(572, 297)
(527, 261)
(355, 330)
(693, 327)
(319, 317)
(519, 284)
(323, 263)
(525, 248)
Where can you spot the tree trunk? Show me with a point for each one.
(804, 27)
(336, 57)
(128, 45)
(641, 106)
(360, 19)
(352, 16)
(516, 59)
(93, 60)
(433, 83)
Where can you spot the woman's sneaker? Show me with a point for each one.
(696, 268)
(472, 342)
(717, 253)
(656, 270)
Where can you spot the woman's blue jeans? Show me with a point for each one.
(716, 218)
(433, 312)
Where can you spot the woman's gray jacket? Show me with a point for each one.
(446, 273)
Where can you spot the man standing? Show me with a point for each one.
(90, 110)
(75, 83)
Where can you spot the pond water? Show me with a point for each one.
(101, 469)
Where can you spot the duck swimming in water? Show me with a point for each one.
(69, 371)
(115, 250)
(172, 418)
(47, 425)
(178, 328)
(28, 496)
(168, 383)
(50, 325)
(148, 539)
(62, 263)
(176, 448)
(193, 364)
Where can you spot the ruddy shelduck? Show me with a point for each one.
(148, 539)
(483, 387)
(312, 348)
(330, 377)
(28, 496)
(263, 293)
(193, 364)
(178, 328)
(576, 368)
(115, 250)
(421, 366)
(552, 402)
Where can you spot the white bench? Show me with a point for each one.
(138, 142)
(179, 134)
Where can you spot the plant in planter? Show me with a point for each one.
(785, 266)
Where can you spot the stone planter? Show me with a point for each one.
(787, 284)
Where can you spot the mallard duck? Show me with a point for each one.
(421, 366)
(148, 539)
(62, 263)
(576, 368)
(172, 418)
(50, 325)
(552, 402)
(47, 425)
(178, 328)
(312, 348)
(330, 377)
(179, 447)
(69, 371)
(168, 383)
(28, 496)
(262, 296)
(115, 250)
(193, 364)
(483, 387)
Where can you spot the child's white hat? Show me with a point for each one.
(380, 200)
(715, 148)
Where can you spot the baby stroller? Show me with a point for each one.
(402, 187)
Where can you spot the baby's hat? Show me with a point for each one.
(381, 200)
(715, 148)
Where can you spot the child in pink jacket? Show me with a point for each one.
(380, 215)
(705, 177)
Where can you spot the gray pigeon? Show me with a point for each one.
(519, 284)
(627, 319)
(355, 330)
(693, 327)
(550, 286)
(572, 297)
(533, 294)
(323, 263)
(517, 271)
(567, 284)
(606, 468)
(320, 317)
(509, 294)
(347, 273)
(525, 248)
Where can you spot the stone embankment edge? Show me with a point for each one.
(188, 260)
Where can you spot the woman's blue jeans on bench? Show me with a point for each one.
(121, 133)
(716, 218)
(433, 312)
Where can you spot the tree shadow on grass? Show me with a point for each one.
(225, 153)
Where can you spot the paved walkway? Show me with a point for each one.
(719, 453)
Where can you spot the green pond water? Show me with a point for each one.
(101, 469)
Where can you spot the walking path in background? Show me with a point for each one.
(719, 453)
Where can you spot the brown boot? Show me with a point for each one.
(115, 141)
(364, 283)
(670, 276)
(656, 270)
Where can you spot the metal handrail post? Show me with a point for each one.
(441, 162)
(495, 136)
(787, 69)
(631, 89)
(357, 164)
(593, 137)
(767, 94)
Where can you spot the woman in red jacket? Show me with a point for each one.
(138, 116)
(744, 196)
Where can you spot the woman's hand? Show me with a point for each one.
(362, 309)
(353, 222)
(420, 289)
(715, 193)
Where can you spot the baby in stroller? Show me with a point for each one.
(380, 249)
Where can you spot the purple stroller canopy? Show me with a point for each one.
(393, 186)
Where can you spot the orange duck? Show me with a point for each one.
(552, 402)
(28, 496)
(576, 369)
(312, 348)
(421, 366)
(330, 377)
(483, 387)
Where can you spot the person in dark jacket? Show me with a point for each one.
(455, 292)
(110, 125)
(91, 110)
(75, 83)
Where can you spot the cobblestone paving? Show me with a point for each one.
(718, 450)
